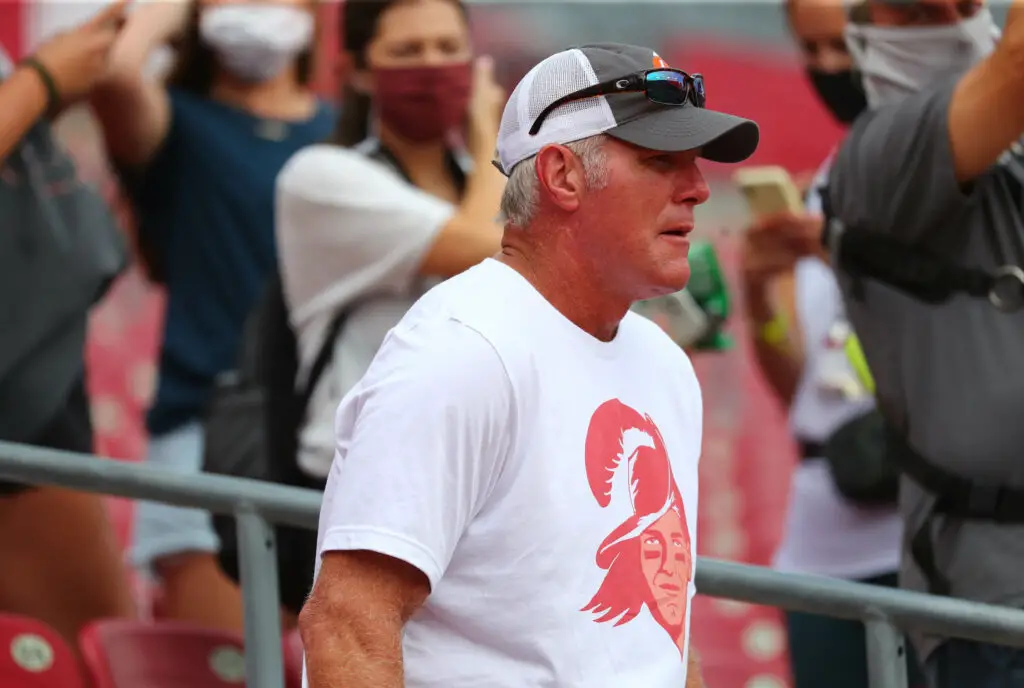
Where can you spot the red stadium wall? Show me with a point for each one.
(12, 24)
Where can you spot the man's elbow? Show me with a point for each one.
(331, 618)
(314, 618)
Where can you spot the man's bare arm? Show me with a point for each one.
(694, 678)
(986, 113)
(352, 623)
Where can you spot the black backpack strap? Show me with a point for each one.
(956, 497)
(914, 270)
(325, 354)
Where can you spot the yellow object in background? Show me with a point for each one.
(774, 332)
(855, 355)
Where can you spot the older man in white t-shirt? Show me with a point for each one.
(513, 498)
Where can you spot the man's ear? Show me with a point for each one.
(561, 175)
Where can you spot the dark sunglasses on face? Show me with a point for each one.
(661, 86)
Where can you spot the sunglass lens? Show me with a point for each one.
(699, 95)
(667, 87)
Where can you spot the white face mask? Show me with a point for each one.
(895, 62)
(256, 42)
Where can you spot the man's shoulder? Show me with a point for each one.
(894, 170)
(434, 342)
(869, 140)
(483, 298)
(439, 361)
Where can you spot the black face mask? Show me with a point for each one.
(841, 92)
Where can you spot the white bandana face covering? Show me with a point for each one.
(895, 62)
(256, 42)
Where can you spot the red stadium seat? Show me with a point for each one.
(140, 654)
(33, 655)
(293, 659)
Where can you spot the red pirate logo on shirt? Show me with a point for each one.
(647, 557)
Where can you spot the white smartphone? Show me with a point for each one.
(768, 189)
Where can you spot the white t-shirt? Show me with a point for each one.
(824, 533)
(492, 445)
(350, 230)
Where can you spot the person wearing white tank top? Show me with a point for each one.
(795, 309)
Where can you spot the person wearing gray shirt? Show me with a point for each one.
(936, 164)
(60, 248)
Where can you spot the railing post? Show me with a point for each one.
(887, 657)
(257, 563)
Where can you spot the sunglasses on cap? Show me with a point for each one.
(664, 86)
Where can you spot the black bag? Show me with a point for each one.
(860, 461)
(252, 430)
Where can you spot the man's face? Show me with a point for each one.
(667, 566)
(922, 12)
(636, 226)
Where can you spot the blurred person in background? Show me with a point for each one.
(198, 156)
(60, 248)
(404, 198)
(932, 178)
(798, 338)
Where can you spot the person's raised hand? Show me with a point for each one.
(774, 243)
(485, 108)
(77, 59)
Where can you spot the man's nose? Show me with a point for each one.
(693, 188)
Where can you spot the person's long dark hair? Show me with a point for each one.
(195, 63)
(357, 27)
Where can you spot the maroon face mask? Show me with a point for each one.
(423, 104)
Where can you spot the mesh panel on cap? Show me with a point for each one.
(556, 76)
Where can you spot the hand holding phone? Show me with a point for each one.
(768, 190)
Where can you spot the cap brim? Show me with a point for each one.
(721, 137)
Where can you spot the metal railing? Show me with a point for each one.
(256, 505)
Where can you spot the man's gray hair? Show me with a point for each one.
(522, 190)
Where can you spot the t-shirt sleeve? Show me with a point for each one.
(894, 173)
(348, 226)
(421, 442)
